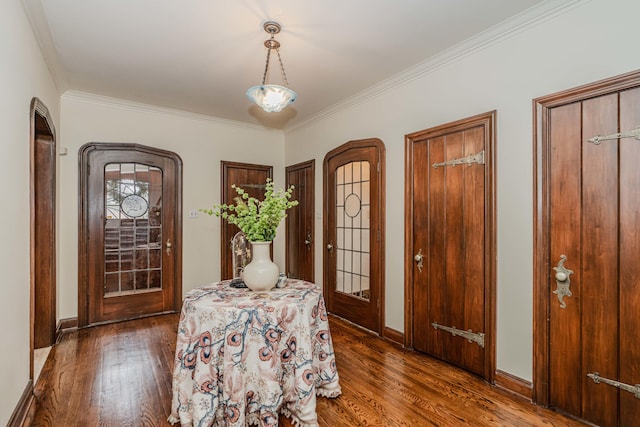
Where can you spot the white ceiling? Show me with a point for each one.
(202, 55)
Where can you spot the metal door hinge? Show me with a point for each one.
(468, 160)
(635, 389)
(477, 337)
(635, 133)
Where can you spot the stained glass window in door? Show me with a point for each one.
(132, 228)
(353, 229)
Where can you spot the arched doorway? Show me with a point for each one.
(43, 229)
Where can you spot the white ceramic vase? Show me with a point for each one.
(261, 274)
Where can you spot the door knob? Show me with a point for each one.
(563, 281)
(308, 240)
(168, 245)
(561, 276)
(419, 258)
(330, 247)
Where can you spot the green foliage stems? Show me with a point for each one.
(258, 220)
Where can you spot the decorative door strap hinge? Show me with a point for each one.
(258, 186)
(468, 160)
(635, 133)
(478, 337)
(635, 389)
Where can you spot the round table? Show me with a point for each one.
(242, 356)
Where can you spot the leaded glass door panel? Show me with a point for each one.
(353, 229)
(132, 229)
(130, 223)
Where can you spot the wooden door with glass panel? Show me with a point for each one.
(353, 261)
(130, 213)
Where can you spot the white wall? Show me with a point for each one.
(590, 41)
(201, 142)
(23, 75)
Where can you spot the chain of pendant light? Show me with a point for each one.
(275, 45)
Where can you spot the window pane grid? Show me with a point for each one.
(352, 219)
(132, 231)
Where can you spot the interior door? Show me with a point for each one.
(252, 178)
(353, 239)
(130, 232)
(299, 222)
(450, 243)
(591, 287)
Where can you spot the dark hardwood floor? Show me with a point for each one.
(120, 375)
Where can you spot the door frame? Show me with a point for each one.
(311, 191)
(541, 216)
(488, 120)
(83, 220)
(47, 319)
(378, 265)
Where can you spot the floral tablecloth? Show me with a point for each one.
(242, 357)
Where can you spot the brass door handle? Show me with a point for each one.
(330, 247)
(308, 240)
(168, 245)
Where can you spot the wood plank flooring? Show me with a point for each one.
(120, 375)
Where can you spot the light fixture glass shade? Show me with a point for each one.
(271, 98)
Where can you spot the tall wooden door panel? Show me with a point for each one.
(592, 287)
(353, 232)
(130, 239)
(252, 178)
(299, 222)
(450, 243)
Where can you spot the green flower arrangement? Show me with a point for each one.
(258, 220)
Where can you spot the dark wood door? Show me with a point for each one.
(591, 289)
(252, 178)
(131, 232)
(299, 222)
(353, 232)
(450, 255)
(43, 227)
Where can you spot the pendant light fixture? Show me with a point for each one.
(272, 98)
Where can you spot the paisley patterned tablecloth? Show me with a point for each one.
(242, 356)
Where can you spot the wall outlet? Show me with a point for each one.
(193, 213)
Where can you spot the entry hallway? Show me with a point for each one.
(120, 375)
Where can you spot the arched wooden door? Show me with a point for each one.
(130, 249)
(354, 232)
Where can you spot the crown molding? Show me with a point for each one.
(92, 98)
(529, 18)
(34, 12)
